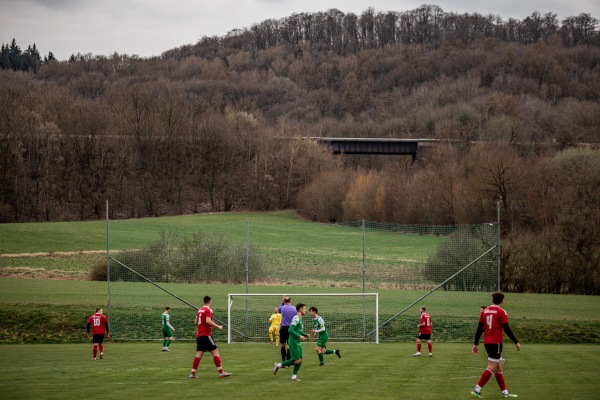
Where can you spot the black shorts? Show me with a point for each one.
(205, 343)
(284, 334)
(494, 351)
(424, 336)
(98, 339)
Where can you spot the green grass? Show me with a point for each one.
(51, 237)
(33, 310)
(142, 371)
(283, 240)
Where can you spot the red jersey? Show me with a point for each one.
(425, 319)
(98, 321)
(492, 319)
(203, 328)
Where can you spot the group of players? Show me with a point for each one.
(286, 325)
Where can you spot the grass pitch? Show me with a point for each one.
(385, 371)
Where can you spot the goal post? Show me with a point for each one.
(349, 317)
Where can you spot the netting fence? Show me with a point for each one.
(151, 265)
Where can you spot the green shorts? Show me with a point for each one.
(322, 340)
(295, 351)
(167, 332)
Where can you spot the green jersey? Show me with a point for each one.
(295, 331)
(319, 326)
(165, 321)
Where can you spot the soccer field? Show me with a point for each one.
(365, 371)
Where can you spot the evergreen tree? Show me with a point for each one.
(4, 57)
(31, 59)
(49, 57)
(14, 55)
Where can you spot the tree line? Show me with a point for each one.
(12, 57)
(218, 126)
(348, 33)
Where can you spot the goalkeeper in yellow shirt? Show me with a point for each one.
(275, 321)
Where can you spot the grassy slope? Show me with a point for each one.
(140, 370)
(539, 318)
(91, 235)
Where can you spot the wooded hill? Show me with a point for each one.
(215, 126)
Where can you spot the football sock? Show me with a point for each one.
(168, 343)
(418, 347)
(320, 357)
(485, 377)
(218, 364)
(500, 380)
(287, 363)
(195, 364)
(164, 343)
(297, 368)
(329, 351)
(101, 348)
(283, 358)
(95, 351)
(429, 346)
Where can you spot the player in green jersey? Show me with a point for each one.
(322, 338)
(167, 329)
(295, 343)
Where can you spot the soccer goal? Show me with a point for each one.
(349, 317)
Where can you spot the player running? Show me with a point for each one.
(492, 321)
(323, 336)
(294, 343)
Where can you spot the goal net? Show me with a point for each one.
(349, 317)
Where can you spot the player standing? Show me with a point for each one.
(167, 329)
(294, 343)
(493, 320)
(288, 312)
(275, 321)
(99, 324)
(323, 336)
(424, 332)
(204, 339)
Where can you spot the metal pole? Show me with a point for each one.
(247, 258)
(499, 250)
(363, 256)
(247, 252)
(363, 277)
(107, 262)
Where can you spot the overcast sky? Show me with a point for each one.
(149, 27)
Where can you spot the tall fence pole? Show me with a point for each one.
(499, 249)
(107, 263)
(364, 268)
(247, 269)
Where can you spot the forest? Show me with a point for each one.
(223, 125)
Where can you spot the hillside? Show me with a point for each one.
(216, 126)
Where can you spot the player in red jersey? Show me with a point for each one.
(99, 324)
(204, 339)
(493, 320)
(424, 332)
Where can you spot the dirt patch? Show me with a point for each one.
(40, 273)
